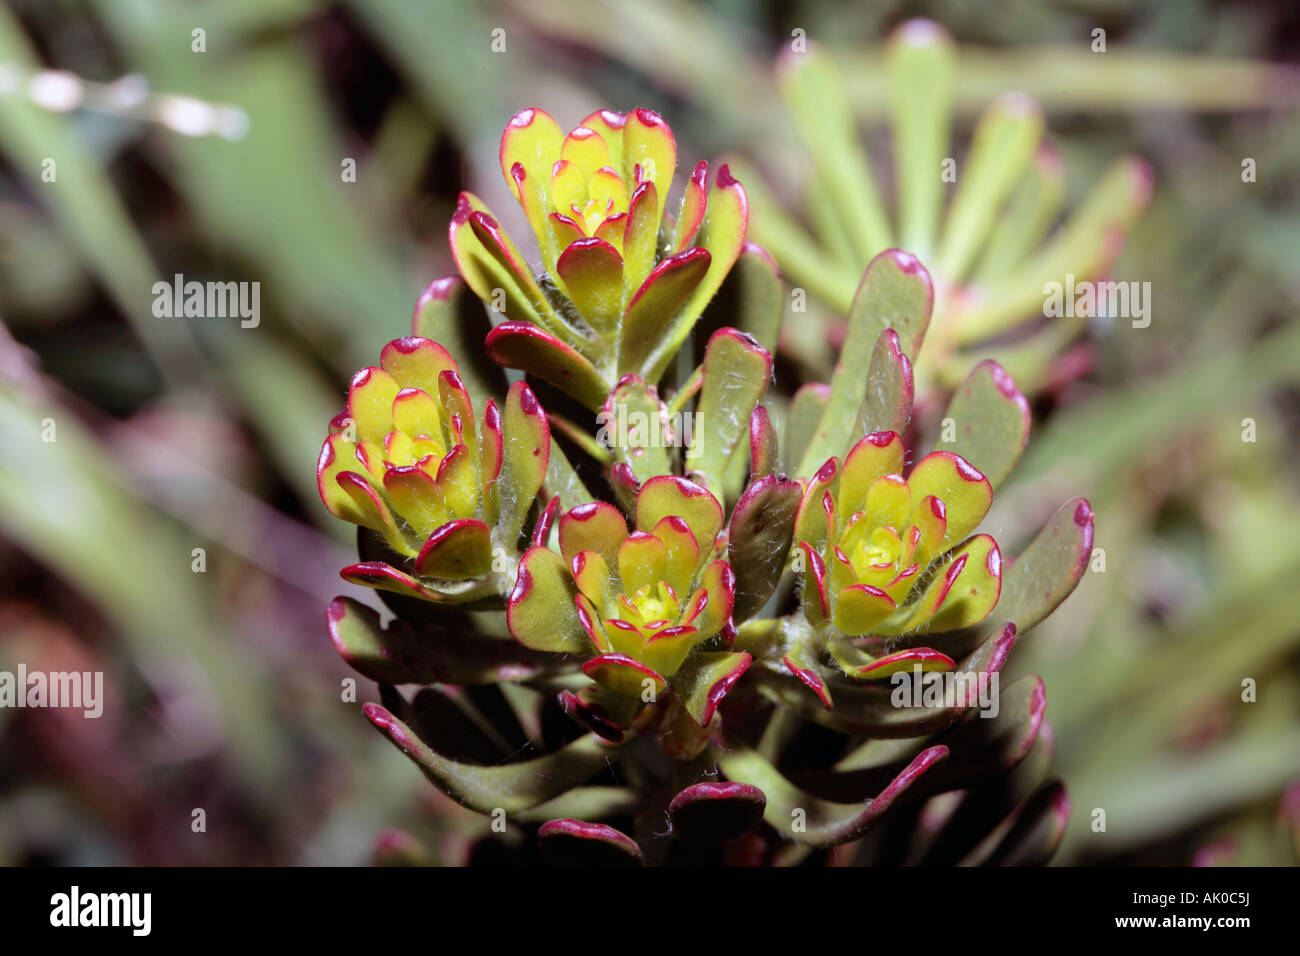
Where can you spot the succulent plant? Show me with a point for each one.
(619, 291)
(636, 604)
(407, 460)
(697, 620)
(994, 249)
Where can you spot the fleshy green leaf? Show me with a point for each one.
(592, 271)
(385, 577)
(584, 710)
(527, 446)
(510, 787)
(758, 541)
(919, 66)
(895, 293)
(670, 496)
(887, 405)
(641, 242)
(874, 456)
(814, 94)
(990, 420)
(736, 371)
(705, 678)
(964, 491)
(962, 592)
(488, 260)
(529, 145)
(655, 305)
(541, 612)
(529, 348)
(1047, 571)
(822, 822)
(595, 526)
(624, 676)
(457, 551)
(723, 236)
(632, 424)
(691, 212)
(764, 450)
(801, 660)
(1004, 142)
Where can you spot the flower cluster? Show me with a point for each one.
(680, 599)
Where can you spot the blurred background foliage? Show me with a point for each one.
(223, 692)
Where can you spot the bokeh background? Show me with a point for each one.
(222, 689)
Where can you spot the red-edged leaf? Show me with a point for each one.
(657, 301)
(625, 676)
(576, 843)
(540, 612)
(758, 541)
(715, 813)
(457, 551)
(764, 448)
(527, 347)
(592, 271)
(704, 680)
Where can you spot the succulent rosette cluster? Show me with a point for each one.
(636, 603)
(622, 281)
(888, 555)
(407, 460)
(672, 615)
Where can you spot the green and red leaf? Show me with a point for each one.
(990, 420)
(531, 349)
(577, 843)
(963, 489)
(540, 611)
(758, 540)
(736, 372)
(457, 551)
(665, 495)
(704, 680)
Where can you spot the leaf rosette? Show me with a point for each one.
(407, 460)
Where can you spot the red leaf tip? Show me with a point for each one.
(1083, 513)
